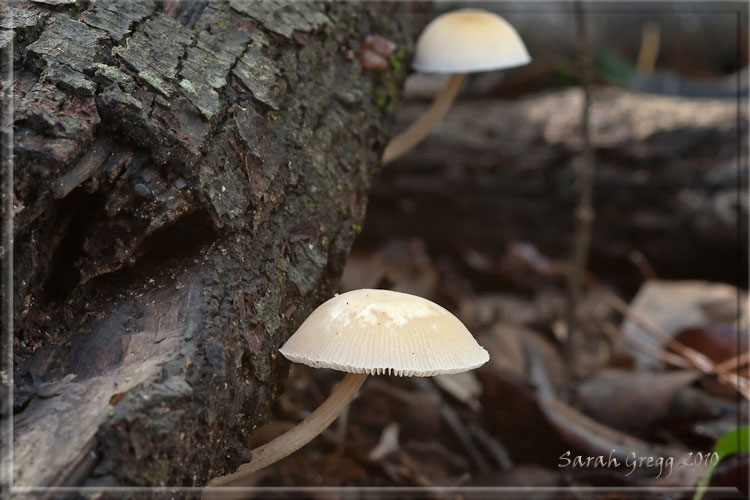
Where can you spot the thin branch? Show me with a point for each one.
(650, 41)
(733, 363)
(695, 358)
(584, 214)
(698, 360)
(654, 351)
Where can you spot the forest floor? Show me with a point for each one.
(638, 389)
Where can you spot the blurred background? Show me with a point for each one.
(480, 218)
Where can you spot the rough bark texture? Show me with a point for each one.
(189, 179)
(667, 177)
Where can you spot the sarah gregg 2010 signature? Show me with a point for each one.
(663, 466)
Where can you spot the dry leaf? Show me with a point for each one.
(632, 400)
(388, 443)
(462, 386)
(676, 305)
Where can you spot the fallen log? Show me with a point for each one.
(668, 171)
(189, 178)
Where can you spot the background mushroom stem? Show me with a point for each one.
(299, 435)
(422, 126)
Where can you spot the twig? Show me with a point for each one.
(698, 360)
(652, 350)
(584, 214)
(733, 363)
(649, 48)
(740, 383)
(643, 265)
(695, 358)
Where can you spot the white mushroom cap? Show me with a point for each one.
(380, 331)
(467, 41)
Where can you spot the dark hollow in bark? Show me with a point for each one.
(501, 171)
(189, 181)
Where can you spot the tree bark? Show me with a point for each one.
(189, 179)
(670, 182)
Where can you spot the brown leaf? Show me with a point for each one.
(595, 439)
(374, 52)
(539, 429)
(628, 400)
(717, 341)
(379, 45)
(117, 398)
(675, 305)
(372, 60)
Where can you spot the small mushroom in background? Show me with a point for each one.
(459, 42)
(366, 332)
(374, 52)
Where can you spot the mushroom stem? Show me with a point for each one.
(299, 435)
(422, 126)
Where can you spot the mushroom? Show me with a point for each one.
(367, 332)
(459, 42)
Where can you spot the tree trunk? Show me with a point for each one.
(494, 172)
(189, 179)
